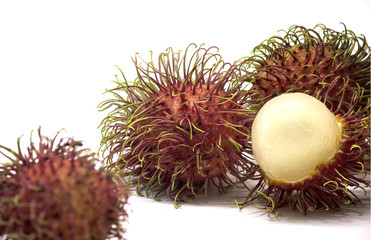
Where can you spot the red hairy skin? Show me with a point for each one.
(305, 60)
(181, 127)
(54, 192)
(334, 67)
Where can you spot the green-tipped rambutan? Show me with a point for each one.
(55, 192)
(179, 126)
(304, 159)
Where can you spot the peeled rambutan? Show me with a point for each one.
(311, 103)
(179, 126)
(55, 192)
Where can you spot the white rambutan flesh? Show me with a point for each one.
(293, 136)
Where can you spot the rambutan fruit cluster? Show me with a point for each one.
(333, 67)
(186, 122)
(54, 191)
(179, 126)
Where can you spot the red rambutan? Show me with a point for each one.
(312, 61)
(296, 164)
(54, 192)
(179, 126)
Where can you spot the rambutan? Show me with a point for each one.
(310, 135)
(312, 61)
(178, 126)
(55, 192)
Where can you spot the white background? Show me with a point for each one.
(58, 57)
